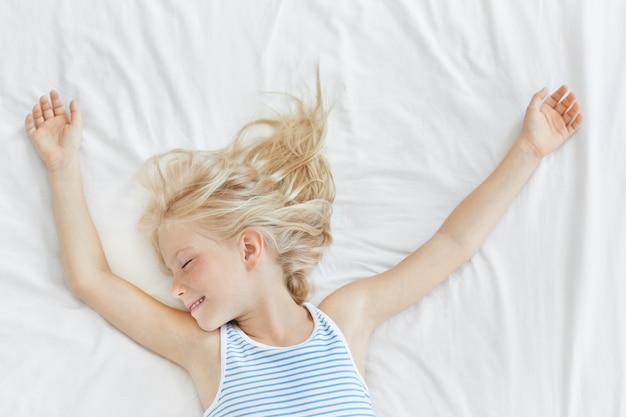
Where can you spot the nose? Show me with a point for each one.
(178, 289)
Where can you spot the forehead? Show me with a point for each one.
(176, 236)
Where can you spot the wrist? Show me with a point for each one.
(65, 169)
(528, 148)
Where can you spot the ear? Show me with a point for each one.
(252, 246)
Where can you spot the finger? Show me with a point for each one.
(29, 124)
(45, 108)
(576, 122)
(571, 113)
(554, 99)
(57, 105)
(38, 115)
(565, 103)
(77, 117)
(538, 97)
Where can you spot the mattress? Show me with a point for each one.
(426, 97)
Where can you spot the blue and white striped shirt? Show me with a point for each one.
(315, 378)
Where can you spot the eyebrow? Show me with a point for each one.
(181, 250)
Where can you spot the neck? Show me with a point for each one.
(277, 321)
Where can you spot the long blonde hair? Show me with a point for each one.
(280, 184)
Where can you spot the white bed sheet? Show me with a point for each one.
(428, 97)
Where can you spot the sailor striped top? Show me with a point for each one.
(315, 378)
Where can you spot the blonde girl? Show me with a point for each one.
(238, 229)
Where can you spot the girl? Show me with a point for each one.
(238, 228)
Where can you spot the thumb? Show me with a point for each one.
(76, 116)
(538, 98)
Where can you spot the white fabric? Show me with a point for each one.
(428, 96)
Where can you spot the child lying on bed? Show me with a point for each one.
(238, 228)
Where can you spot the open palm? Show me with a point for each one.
(548, 124)
(54, 134)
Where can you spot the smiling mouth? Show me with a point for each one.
(196, 304)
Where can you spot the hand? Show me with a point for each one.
(55, 136)
(548, 124)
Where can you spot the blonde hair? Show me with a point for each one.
(279, 184)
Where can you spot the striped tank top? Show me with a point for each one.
(315, 378)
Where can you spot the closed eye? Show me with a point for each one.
(185, 264)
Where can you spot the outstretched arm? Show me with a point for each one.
(547, 125)
(362, 305)
(56, 135)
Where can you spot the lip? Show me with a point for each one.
(194, 306)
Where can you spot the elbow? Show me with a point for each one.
(467, 250)
(461, 248)
(78, 286)
(83, 283)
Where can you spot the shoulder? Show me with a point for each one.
(347, 307)
(350, 306)
(201, 347)
(203, 363)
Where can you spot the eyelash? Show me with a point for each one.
(185, 264)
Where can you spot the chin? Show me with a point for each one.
(208, 325)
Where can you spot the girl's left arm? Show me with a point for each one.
(359, 307)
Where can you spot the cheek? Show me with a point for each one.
(207, 278)
(223, 274)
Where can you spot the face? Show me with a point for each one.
(209, 277)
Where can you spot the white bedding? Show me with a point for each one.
(428, 96)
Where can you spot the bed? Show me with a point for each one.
(427, 96)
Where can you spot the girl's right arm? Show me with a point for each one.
(160, 328)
